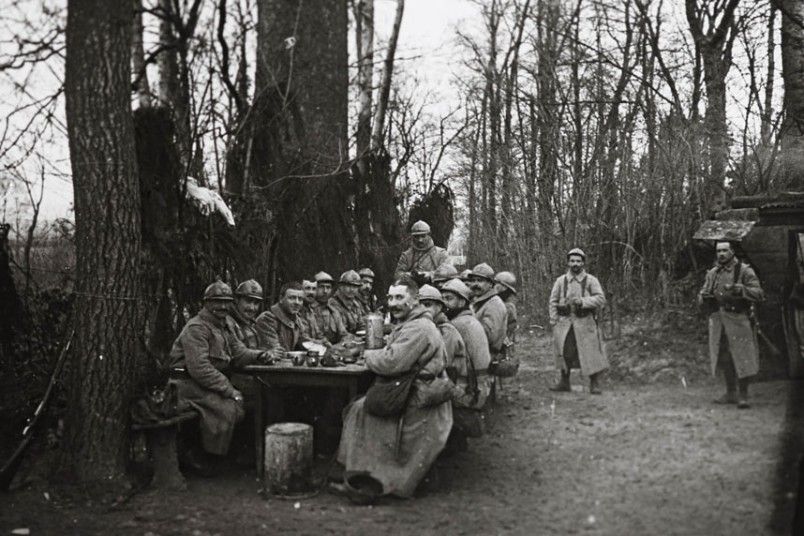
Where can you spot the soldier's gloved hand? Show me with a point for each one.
(237, 396)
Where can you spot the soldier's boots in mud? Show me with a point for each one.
(594, 384)
(742, 398)
(563, 384)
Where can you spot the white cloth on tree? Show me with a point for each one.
(208, 201)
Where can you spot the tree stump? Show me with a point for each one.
(288, 457)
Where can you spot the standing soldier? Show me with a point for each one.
(574, 302)
(489, 309)
(729, 290)
(366, 295)
(345, 301)
(423, 257)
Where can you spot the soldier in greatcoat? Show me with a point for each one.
(280, 327)
(444, 273)
(729, 289)
(422, 258)
(430, 298)
(208, 354)
(575, 301)
(345, 301)
(399, 453)
(489, 309)
(366, 296)
(327, 320)
(247, 302)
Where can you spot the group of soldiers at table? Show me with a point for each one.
(450, 330)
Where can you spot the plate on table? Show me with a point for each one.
(311, 346)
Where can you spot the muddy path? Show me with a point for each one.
(639, 459)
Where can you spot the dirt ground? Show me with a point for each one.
(643, 458)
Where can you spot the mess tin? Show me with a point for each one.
(312, 360)
(297, 358)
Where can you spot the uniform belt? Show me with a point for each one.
(482, 372)
(730, 308)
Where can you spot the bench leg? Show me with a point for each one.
(162, 444)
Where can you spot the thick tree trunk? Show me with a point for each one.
(107, 309)
(792, 132)
(138, 66)
(300, 143)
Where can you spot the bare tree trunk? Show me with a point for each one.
(107, 308)
(713, 30)
(792, 132)
(364, 15)
(138, 69)
(170, 87)
(770, 77)
(385, 85)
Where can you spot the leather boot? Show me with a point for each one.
(563, 384)
(730, 376)
(742, 399)
(594, 384)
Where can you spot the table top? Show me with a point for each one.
(354, 369)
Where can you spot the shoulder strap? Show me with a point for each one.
(737, 268)
(583, 286)
(565, 287)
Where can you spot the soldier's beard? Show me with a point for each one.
(452, 313)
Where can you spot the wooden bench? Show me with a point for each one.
(160, 438)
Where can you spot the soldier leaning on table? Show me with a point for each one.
(208, 354)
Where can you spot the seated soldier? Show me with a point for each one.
(307, 313)
(431, 299)
(345, 301)
(366, 295)
(280, 326)
(473, 385)
(444, 273)
(247, 302)
(208, 354)
(505, 286)
(328, 321)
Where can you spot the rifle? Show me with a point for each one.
(13, 464)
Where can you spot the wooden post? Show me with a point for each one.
(288, 457)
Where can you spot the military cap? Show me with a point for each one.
(323, 277)
(420, 227)
(577, 251)
(483, 270)
(507, 279)
(444, 272)
(457, 287)
(218, 291)
(426, 292)
(366, 272)
(350, 277)
(249, 289)
(463, 276)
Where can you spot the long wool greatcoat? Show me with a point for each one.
(350, 310)
(591, 352)
(742, 341)
(426, 259)
(276, 329)
(493, 316)
(208, 354)
(477, 349)
(368, 442)
(329, 323)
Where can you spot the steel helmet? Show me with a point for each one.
(249, 289)
(427, 292)
(323, 277)
(463, 276)
(420, 227)
(577, 251)
(506, 279)
(457, 287)
(366, 272)
(445, 272)
(350, 277)
(483, 270)
(218, 291)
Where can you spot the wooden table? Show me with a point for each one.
(284, 374)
